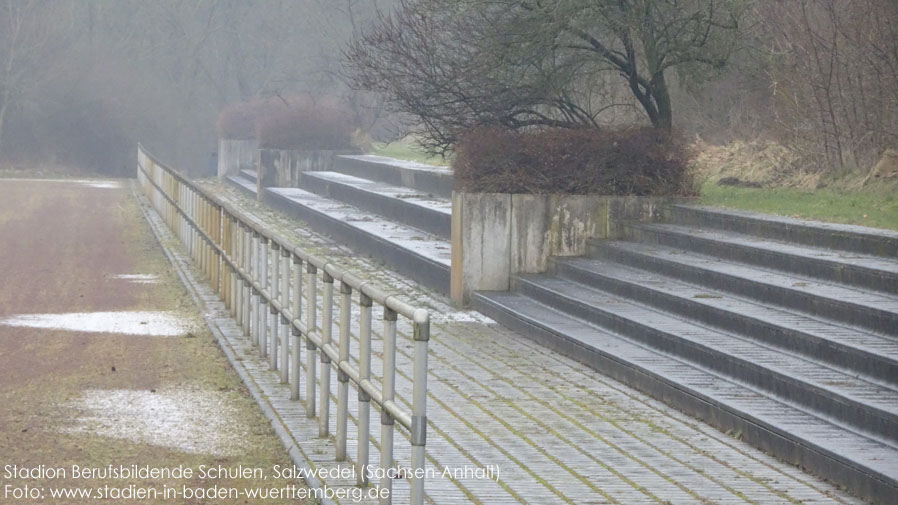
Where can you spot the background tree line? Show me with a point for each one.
(82, 81)
(817, 75)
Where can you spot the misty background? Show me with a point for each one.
(81, 82)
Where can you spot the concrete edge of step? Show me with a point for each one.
(798, 452)
(863, 239)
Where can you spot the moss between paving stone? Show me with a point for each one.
(288, 227)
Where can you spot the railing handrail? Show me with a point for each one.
(370, 289)
(232, 248)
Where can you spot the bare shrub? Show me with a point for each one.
(306, 124)
(239, 121)
(835, 78)
(641, 161)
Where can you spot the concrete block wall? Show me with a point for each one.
(284, 167)
(235, 155)
(498, 235)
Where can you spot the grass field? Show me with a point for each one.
(407, 149)
(875, 206)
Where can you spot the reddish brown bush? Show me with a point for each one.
(643, 161)
(306, 124)
(239, 121)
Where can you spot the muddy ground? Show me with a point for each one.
(91, 397)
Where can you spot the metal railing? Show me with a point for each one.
(259, 276)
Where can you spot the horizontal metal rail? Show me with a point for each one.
(261, 276)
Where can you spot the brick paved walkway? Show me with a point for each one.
(557, 432)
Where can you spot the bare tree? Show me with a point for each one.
(455, 64)
(835, 72)
(30, 30)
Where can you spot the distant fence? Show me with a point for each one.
(259, 275)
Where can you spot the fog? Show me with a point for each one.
(81, 82)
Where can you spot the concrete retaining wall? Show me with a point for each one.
(283, 168)
(498, 235)
(235, 155)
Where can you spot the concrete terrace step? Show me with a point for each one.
(862, 463)
(404, 205)
(410, 251)
(243, 184)
(831, 301)
(844, 237)
(848, 348)
(427, 178)
(250, 175)
(866, 271)
(852, 401)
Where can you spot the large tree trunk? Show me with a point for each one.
(664, 112)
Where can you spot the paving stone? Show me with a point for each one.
(559, 431)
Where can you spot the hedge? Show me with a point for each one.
(289, 123)
(640, 161)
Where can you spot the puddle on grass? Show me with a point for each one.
(193, 421)
(138, 278)
(143, 323)
(101, 184)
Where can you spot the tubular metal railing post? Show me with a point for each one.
(254, 308)
(311, 326)
(343, 377)
(327, 328)
(263, 286)
(191, 204)
(207, 246)
(216, 241)
(201, 228)
(235, 278)
(274, 292)
(257, 289)
(285, 323)
(419, 404)
(191, 213)
(225, 273)
(202, 243)
(388, 382)
(296, 312)
(218, 284)
(241, 283)
(364, 397)
(247, 284)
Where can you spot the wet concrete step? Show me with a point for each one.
(419, 176)
(851, 401)
(860, 239)
(408, 206)
(250, 175)
(849, 349)
(858, 462)
(409, 251)
(831, 301)
(862, 270)
(243, 184)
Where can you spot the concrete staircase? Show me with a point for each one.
(783, 332)
(398, 212)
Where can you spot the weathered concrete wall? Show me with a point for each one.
(495, 236)
(235, 155)
(480, 243)
(283, 168)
